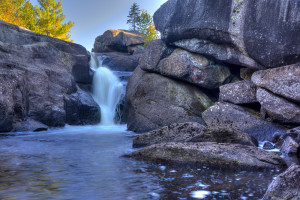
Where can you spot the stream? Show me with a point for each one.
(86, 163)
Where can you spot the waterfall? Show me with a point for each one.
(107, 90)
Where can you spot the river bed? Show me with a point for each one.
(86, 163)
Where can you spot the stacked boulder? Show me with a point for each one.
(121, 48)
(38, 78)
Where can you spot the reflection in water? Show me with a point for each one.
(85, 163)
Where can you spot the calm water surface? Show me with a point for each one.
(85, 163)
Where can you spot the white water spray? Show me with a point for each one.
(107, 90)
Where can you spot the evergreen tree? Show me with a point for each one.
(50, 20)
(146, 27)
(133, 16)
(28, 15)
(10, 11)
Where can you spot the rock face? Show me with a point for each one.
(283, 81)
(285, 186)
(174, 133)
(155, 101)
(242, 92)
(231, 31)
(121, 62)
(236, 117)
(233, 156)
(290, 146)
(36, 76)
(118, 40)
(278, 108)
(224, 135)
(81, 109)
(192, 68)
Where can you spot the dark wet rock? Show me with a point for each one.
(224, 135)
(231, 31)
(293, 133)
(283, 81)
(121, 62)
(118, 40)
(81, 109)
(242, 119)
(285, 186)
(290, 146)
(29, 126)
(174, 133)
(194, 69)
(268, 146)
(278, 108)
(155, 51)
(242, 92)
(233, 156)
(276, 136)
(246, 73)
(36, 76)
(155, 101)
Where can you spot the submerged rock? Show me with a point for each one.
(283, 81)
(268, 146)
(118, 40)
(278, 108)
(239, 118)
(232, 156)
(224, 135)
(155, 101)
(242, 92)
(285, 186)
(231, 31)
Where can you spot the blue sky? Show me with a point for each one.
(94, 17)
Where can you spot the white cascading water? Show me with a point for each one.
(107, 90)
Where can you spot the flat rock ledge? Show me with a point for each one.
(230, 156)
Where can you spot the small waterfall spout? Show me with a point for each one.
(107, 91)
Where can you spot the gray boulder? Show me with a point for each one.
(283, 81)
(81, 109)
(224, 135)
(121, 62)
(242, 92)
(194, 69)
(234, 31)
(174, 133)
(118, 40)
(236, 117)
(155, 101)
(232, 156)
(290, 146)
(278, 108)
(285, 186)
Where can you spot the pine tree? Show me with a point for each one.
(133, 16)
(28, 15)
(50, 20)
(10, 11)
(146, 27)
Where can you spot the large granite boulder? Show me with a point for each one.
(174, 133)
(278, 108)
(285, 186)
(224, 135)
(192, 68)
(242, 92)
(155, 101)
(237, 32)
(290, 146)
(121, 62)
(81, 109)
(242, 119)
(29, 125)
(36, 76)
(232, 156)
(118, 40)
(283, 81)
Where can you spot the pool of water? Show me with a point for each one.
(86, 163)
